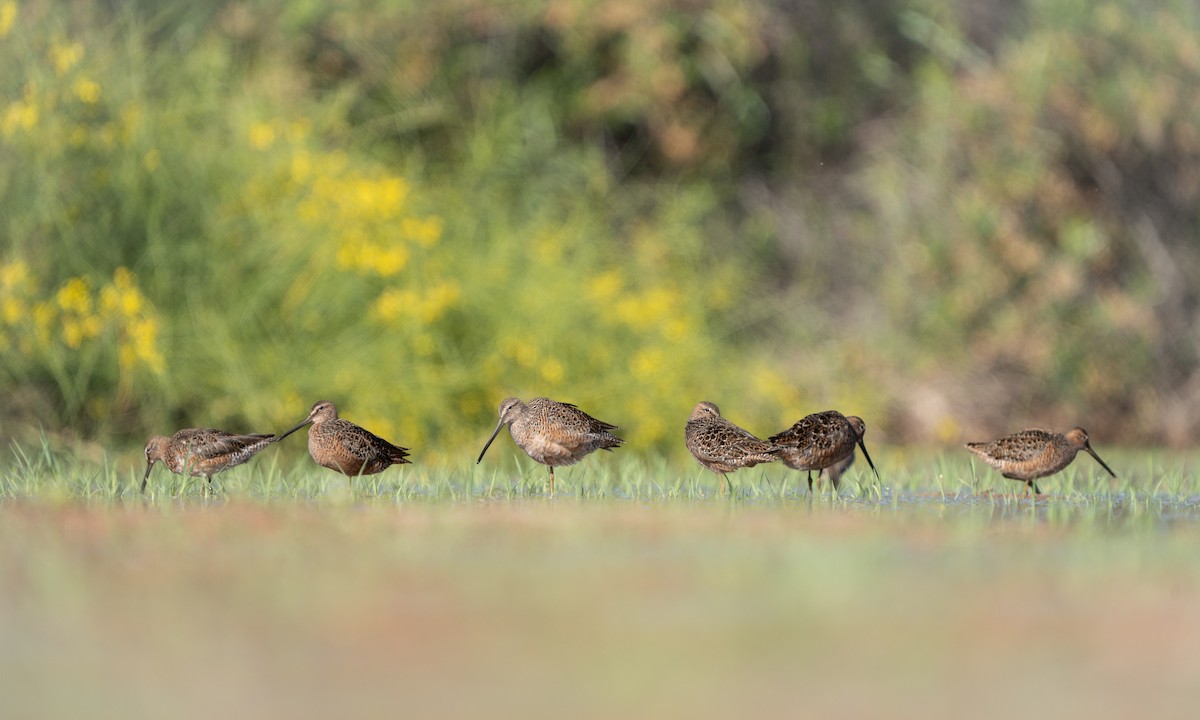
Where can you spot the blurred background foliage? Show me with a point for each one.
(951, 219)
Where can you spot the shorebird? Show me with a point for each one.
(721, 446)
(834, 472)
(345, 447)
(552, 433)
(202, 452)
(823, 441)
(1031, 454)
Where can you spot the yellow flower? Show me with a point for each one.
(131, 303)
(110, 298)
(8, 15)
(648, 309)
(72, 333)
(425, 308)
(379, 425)
(123, 278)
(65, 56)
(11, 310)
(75, 296)
(439, 298)
(143, 334)
(87, 90)
(91, 326)
(676, 329)
(151, 160)
(13, 274)
(768, 382)
(262, 135)
(21, 115)
(388, 262)
(387, 197)
(605, 286)
(425, 233)
(552, 371)
(43, 321)
(392, 302)
(349, 252)
(302, 166)
(646, 363)
(525, 354)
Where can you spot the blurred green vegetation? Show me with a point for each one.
(948, 221)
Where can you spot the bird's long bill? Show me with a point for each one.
(488, 444)
(307, 420)
(862, 446)
(147, 475)
(1093, 454)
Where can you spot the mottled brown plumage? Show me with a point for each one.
(1031, 454)
(345, 447)
(823, 441)
(551, 432)
(721, 446)
(202, 452)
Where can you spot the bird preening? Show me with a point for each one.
(332, 442)
(556, 434)
(723, 447)
(823, 441)
(342, 446)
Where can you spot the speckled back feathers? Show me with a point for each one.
(819, 440)
(721, 446)
(1035, 453)
(555, 433)
(202, 452)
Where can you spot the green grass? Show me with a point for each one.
(463, 591)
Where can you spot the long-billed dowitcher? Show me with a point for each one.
(1031, 454)
(202, 452)
(823, 441)
(552, 433)
(721, 446)
(345, 447)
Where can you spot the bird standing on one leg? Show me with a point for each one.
(721, 446)
(552, 433)
(202, 452)
(823, 441)
(1031, 454)
(345, 447)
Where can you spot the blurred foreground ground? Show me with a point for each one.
(600, 609)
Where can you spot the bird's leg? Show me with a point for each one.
(810, 482)
(1036, 490)
(722, 482)
(552, 480)
(728, 485)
